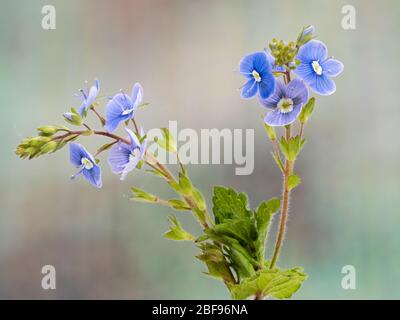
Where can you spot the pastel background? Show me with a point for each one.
(185, 54)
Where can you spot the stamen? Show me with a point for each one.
(87, 164)
(317, 67)
(83, 93)
(285, 105)
(256, 76)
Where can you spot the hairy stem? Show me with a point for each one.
(285, 206)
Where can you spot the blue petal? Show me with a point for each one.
(332, 67)
(82, 108)
(267, 85)
(137, 95)
(277, 118)
(129, 167)
(123, 101)
(246, 65)
(314, 50)
(254, 61)
(279, 93)
(306, 72)
(115, 109)
(93, 92)
(323, 85)
(118, 157)
(260, 62)
(297, 91)
(93, 176)
(249, 90)
(76, 154)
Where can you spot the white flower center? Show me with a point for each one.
(317, 67)
(87, 163)
(127, 111)
(256, 76)
(285, 105)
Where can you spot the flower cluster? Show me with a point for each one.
(125, 153)
(307, 58)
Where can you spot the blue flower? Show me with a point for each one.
(121, 107)
(257, 69)
(286, 102)
(316, 69)
(88, 97)
(83, 160)
(124, 158)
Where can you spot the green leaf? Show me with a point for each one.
(228, 204)
(291, 148)
(199, 199)
(168, 142)
(185, 184)
(307, 110)
(293, 181)
(105, 147)
(140, 195)
(276, 283)
(216, 263)
(263, 218)
(176, 231)
(242, 230)
(156, 172)
(178, 205)
(270, 132)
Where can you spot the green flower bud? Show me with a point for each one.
(47, 130)
(50, 146)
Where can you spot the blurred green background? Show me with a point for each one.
(185, 54)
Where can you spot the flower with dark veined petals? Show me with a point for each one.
(257, 69)
(316, 68)
(121, 107)
(124, 158)
(83, 160)
(286, 102)
(88, 97)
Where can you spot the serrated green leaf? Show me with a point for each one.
(228, 204)
(263, 218)
(293, 181)
(276, 283)
(176, 231)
